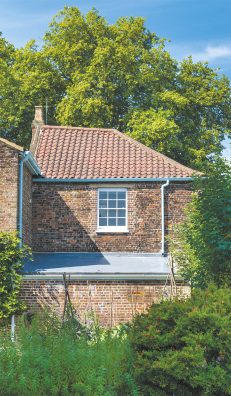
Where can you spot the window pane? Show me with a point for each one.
(121, 195)
(112, 195)
(112, 222)
(103, 221)
(121, 213)
(121, 222)
(102, 195)
(102, 204)
(112, 210)
(102, 213)
(112, 213)
(121, 204)
(112, 204)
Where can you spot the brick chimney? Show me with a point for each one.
(37, 122)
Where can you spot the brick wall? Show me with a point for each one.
(111, 302)
(9, 193)
(65, 217)
(176, 198)
(8, 188)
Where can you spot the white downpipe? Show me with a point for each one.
(162, 217)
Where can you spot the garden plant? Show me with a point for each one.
(183, 347)
(11, 263)
(52, 358)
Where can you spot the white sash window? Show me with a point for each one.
(112, 210)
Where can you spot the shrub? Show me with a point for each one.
(202, 243)
(50, 359)
(11, 263)
(184, 347)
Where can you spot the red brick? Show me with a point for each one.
(65, 217)
(112, 302)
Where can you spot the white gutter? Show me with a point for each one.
(163, 217)
(112, 180)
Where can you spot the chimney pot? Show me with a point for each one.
(38, 115)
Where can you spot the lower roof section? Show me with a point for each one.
(97, 265)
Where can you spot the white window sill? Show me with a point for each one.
(119, 230)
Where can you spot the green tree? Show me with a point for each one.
(198, 114)
(117, 75)
(27, 78)
(156, 129)
(121, 66)
(202, 243)
(11, 263)
(184, 347)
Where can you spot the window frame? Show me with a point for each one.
(113, 229)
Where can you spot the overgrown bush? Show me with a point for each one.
(184, 347)
(202, 243)
(11, 263)
(50, 359)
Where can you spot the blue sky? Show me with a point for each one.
(200, 28)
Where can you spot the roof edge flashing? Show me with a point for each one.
(103, 276)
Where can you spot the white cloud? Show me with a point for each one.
(213, 52)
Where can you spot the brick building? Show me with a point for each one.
(96, 204)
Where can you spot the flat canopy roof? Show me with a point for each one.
(98, 265)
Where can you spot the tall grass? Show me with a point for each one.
(50, 359)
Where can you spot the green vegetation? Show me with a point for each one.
(50, 359)
(118, 76)
(178, 347)
(121, 76)
(184, 347)
(202, 243)
(11, 262)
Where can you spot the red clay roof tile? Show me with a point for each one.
(89, 153)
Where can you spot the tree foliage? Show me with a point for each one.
(202, 243)
(117, 75)
(184, 347)
(11, 262)
(26, 79)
